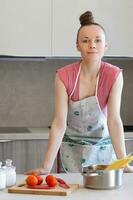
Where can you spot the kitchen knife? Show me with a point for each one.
(62, 183)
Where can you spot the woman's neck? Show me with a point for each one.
(90, 68)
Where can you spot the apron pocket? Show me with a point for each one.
(74, 156)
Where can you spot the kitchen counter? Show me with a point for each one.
(37, 133)
(30, 134)
(122, 193)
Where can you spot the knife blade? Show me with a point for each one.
(62, 183)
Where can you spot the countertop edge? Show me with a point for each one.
(38, 134)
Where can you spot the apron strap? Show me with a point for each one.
(75, 82)
(97, 85)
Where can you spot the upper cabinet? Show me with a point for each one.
(66, 25)
(49, 27)
(25, 27)
(115, 16)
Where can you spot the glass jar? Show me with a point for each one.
(2, 177)
(10, 173)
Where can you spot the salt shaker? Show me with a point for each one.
(10, 173)
(2, 177)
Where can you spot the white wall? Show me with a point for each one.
(49, 27)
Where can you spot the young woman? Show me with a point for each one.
(87, 126)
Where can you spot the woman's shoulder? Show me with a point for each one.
(108, 76)
(67, 74)
(109, 71)
(73, 67)
(109, 68)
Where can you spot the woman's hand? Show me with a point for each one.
(38, 171)
(128, 169)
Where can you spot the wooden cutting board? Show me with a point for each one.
(54, 191)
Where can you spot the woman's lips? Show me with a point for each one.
(91, 52)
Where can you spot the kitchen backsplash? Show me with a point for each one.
(27, 90)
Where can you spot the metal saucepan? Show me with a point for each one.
(97, 177)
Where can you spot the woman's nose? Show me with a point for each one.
(92, 45)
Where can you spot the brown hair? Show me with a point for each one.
(87, 19)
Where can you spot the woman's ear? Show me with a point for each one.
(77, 46)
(106, 46)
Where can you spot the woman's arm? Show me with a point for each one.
(57, 129)
(114, 121)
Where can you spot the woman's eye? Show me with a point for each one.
(85, 41)
(98, 40)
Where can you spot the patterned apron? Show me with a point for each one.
(86, 140)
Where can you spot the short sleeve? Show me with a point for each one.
(108, 75)
(62, 74)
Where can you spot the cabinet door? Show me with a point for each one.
(129, 145)
(115, 20)
(25, 28)
(26, 154)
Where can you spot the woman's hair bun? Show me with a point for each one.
(86, 18)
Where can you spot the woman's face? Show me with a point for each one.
(91, 42)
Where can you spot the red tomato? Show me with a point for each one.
(51, 180)
(31, 180)
(40, 180)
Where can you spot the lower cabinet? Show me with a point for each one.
(26, 154)
(29, 154)
(129, 147)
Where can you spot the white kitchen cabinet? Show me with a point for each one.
(25, 27)
(26, 154)
(65, 26)
(49, 28)
(113, 15)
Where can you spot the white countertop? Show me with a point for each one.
(123, 193)
(38, 133)
(35, 133)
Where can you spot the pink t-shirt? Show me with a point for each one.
(107, 75)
